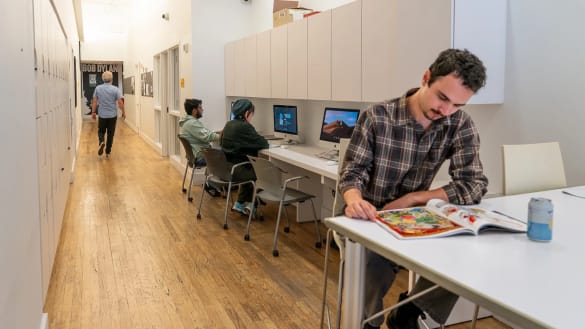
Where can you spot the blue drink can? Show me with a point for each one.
(540, 219)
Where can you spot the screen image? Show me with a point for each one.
(338, 123)
(285, 119)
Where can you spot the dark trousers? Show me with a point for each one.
(245, 173)
(107, 126)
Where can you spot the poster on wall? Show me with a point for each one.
(128, 85)
(91, 77)
(147, 88)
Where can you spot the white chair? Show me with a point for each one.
(532, 168)
(339, 240)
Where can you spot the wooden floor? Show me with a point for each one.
(133, 255)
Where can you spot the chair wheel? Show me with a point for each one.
(199, 216)
(184, 190)
(247, 237)
(225, 227)
(286, 229)
(318, 245)
(275, 253)
(190, 199)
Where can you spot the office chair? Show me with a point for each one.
(272, 188)
(191, 159)
(220, 173)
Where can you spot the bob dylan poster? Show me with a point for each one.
(128, 84)
(91, 74)
(147, 89)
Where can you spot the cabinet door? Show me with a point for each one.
(297, 59)
(319, 56)
(240, 60)
(278, 61)
(480, 26)
(346, 52)
(397, 49)
(229, 68)
(263, 64)
(250, 66)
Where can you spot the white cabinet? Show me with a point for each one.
(297, 60)
(278, 61)
(229, 65)
(240, 68)
(319, 56)
(397, 49)
(250, 66)
(263, 64)
(346, 52)
(480, 26)
(368, 50)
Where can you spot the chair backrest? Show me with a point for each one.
(268, 175)
(217, 164)
(532, 167)
(338, 201)
(188, 151)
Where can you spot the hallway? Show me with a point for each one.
(133, 255)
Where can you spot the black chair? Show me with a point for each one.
(220, 173)
(191, 163)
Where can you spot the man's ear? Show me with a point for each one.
(426, 77)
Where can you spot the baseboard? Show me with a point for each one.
(44, 321)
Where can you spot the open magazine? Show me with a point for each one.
(439, 218)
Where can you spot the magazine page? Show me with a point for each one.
(475, 217)
(417, 222)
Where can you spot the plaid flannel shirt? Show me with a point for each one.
(390, 155)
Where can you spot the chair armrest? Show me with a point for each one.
(292, 179)
(238, 165)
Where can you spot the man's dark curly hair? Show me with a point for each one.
(191, 103)
(463, 64)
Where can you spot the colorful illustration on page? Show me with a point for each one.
(416, 221)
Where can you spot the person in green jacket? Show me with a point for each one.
(197, 135)
(240, 139)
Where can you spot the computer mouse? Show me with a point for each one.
(284, 146)
(331, 163)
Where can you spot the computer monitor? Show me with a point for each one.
(337, 123)
(286, 123)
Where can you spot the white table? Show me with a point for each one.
(531, 284)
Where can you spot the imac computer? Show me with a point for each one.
(286, 123)
(337, 123)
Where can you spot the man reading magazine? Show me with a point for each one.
(396, 150)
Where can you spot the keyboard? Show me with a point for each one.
(272, 138)
(328, 155)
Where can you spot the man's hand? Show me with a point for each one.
(357, 207)
(93, 115)
(414, 199)
(123, 115)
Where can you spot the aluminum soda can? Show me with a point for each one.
(540, 219)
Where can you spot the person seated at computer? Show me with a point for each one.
(192, 129)
(240, 139)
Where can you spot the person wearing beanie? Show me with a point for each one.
(240, 139)
(192, 129)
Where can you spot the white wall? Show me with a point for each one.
(21, 292)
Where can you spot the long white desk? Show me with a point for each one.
(304, 157)
(531, 284)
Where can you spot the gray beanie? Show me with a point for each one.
(240, 107)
